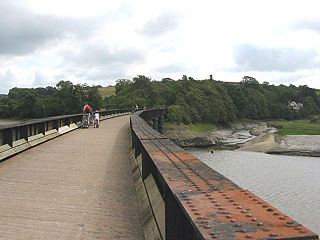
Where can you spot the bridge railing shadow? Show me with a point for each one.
(17, 137)
(192, 200)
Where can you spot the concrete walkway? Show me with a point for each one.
(78, 186)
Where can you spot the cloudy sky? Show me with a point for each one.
(98, 41)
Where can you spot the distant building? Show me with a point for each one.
(294, 106)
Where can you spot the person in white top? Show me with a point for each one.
(96, 119)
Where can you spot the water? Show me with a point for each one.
(289, 183)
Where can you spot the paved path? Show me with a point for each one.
(77, 186)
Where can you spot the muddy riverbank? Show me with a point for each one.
(255, 137)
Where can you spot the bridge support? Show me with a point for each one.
(160, 124)
(150, 123)
(155, 124)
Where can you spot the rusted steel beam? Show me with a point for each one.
(203, 204)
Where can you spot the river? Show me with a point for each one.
(289, 183)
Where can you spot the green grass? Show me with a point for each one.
(296, 127)
(107, 91)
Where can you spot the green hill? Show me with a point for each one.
(107, 91)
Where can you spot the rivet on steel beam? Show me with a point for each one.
(237, 225)
(270, 210)
(266, 229)
(243, 230)
(236, 204)
(200, 217)
(242, 190)
(302, 231)
(196, 213)
(224, 194)
(232, 220)
(231, 200)
(226, 212)
(243, 211)
(259, 224)
(228, 216)
(208, 195)
(239, 207)
(248, 236)
(282, 218)
(213, 201)
(259, 202)
(221, 208)
(211, 198)
(220, 191)
(188, 202)
(290, 222)
(249, 215)
(192, 205)
(217, 204)
(254, 219)
(255, 199)
(276, 214)
(246, 193)
(214, 236)
(228, 197)
(250, 196)
(194, 209)
(273, 234)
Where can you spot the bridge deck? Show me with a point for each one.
(78, 186)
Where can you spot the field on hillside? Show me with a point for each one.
(107, 91)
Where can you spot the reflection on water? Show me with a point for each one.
(291, 184)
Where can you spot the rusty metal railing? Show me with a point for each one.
(199, 202)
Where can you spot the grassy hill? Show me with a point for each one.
(107, 91)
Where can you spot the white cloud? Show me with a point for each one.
(99, 41)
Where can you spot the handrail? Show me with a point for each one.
(17, 137)
(199, 202)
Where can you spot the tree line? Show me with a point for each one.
(189, 100)
(64, 98)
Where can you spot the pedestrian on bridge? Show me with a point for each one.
(96, 119)
(86, 115)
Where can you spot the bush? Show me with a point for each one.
(177, 114)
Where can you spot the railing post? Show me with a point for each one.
(7, 137)
(56, 124)
(24, 132)
(155, 124)
(160, 124)
(150, 123)
(42, 128)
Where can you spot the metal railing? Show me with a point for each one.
(18, 134)
(199, 202)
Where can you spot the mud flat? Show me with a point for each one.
(234, 136)
(255, 137)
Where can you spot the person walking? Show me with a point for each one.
(86, 114)
(96, 119)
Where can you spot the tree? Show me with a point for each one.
(121, 84)
(249, 82)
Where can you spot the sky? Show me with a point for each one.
(98, 41)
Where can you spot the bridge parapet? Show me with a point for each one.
(18, 137)
(200, 203)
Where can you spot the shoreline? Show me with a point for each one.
(254, 137)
